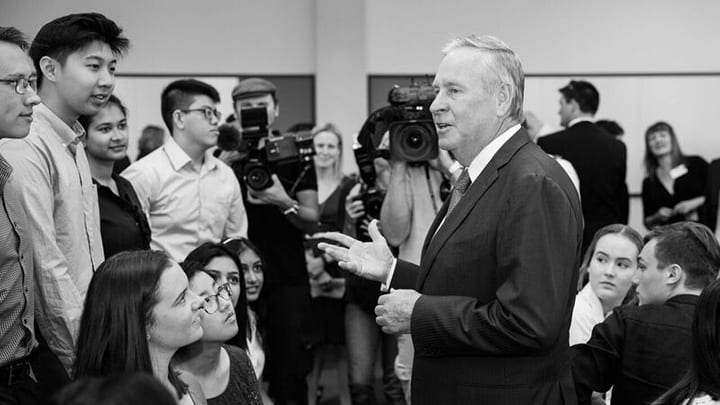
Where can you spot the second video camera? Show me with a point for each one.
(262, 158)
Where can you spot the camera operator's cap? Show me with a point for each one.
(253, 86)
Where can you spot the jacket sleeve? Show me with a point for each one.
(596, 363)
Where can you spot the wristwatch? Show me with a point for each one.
(294, 209)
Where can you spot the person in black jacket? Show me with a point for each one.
(598, 158)
(641, 351)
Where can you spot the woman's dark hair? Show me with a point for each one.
(125, 389)
(238, 246)
(650, 160)
(86, 120)
(118, 310)
(204, 254)
(703, 377)
(614, 229)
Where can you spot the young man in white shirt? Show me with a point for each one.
(189, 196)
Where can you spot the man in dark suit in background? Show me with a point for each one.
(492, 298)
(598, 158)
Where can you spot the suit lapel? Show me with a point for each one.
(435, 240)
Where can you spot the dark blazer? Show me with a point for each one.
(498, 281)
(639, 351)
(712, 191)
(600, 162)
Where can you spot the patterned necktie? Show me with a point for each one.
(459, 190)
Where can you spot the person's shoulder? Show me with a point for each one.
(702, 400)
(238, 356)
(696, 161)
(152, 162)
(223, 168)
(648, 313)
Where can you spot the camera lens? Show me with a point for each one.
(258, 177)
(414, 139)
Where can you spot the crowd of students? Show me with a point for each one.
(106, 275)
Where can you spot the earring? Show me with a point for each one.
(148, 336)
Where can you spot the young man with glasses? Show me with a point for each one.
(17, 332)
(75, 57)
(189, 196)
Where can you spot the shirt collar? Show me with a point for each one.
(5, 172)
(486, 154)
(579, 119)
(179, 159)
(68, 135)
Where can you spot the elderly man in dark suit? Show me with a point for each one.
(598, 157)
(491, 302)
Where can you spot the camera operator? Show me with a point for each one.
(278, 218)
(412, 201)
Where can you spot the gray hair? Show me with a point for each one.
(502, 61)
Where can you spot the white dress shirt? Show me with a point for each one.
(186, 207)
(587, 313)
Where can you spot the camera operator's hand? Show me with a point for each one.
(353, 206)
(315, 265)
(365, 224)
(273, 195)
(370, 260)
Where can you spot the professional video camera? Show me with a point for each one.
(260, 159)
(412, 134)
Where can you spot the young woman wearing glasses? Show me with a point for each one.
(138, 312)
(224, 372)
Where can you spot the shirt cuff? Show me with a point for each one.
(385, 286)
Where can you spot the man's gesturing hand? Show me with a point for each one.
(371, 260)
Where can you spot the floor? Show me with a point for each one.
(328, 381)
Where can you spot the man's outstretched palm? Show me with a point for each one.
(371, 260)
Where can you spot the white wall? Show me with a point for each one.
(194, 36)
(551, 36)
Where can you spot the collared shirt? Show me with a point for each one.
(187, 207)
(60, 200)
(17, 333)
(488, 152)
(587, 313)
(578, 120)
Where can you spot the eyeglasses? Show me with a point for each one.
(212, 304)
(21, 84)
(209, 113)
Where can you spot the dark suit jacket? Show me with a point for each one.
(600, 162)
(711, 195)
(640, 351)
(498, 283)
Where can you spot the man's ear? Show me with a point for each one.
(178, 119)
(674, 275)
(277, 110)
(49, 68)
(503, 98)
